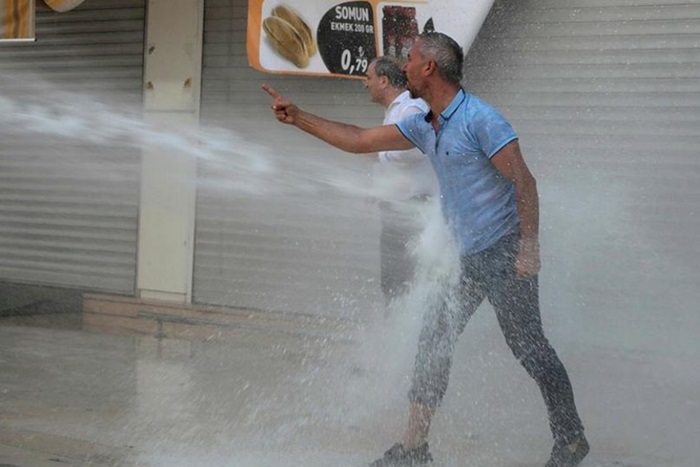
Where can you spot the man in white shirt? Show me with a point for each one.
(405, 179)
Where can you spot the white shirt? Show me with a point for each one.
(404, 174)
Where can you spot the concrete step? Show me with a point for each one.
(127, 315)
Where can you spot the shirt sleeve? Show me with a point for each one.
(492, 131)
(407, 156)
(409, 129)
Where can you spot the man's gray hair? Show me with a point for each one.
(391, 68)
(447, 53)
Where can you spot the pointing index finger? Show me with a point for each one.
(274, 94)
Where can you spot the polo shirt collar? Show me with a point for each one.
(459, 98)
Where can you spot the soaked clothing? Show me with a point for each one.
(478, 203)
(404, 179)
(401, 226)
(408, 173)
(480, 206)
(491, 274)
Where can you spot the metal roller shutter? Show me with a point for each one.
(605, 95)
(287, 250)
(68, 207)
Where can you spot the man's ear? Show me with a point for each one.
(430, 67)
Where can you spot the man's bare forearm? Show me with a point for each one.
(349, 138)
(528, 209)
(341, 135)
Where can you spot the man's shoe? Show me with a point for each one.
(397, 456)
(569, 455)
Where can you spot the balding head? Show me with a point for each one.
(391, 68)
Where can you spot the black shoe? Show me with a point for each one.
(397, 456)
(569, 455)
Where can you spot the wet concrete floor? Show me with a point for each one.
(75, 398)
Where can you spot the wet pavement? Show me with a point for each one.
(75, 398)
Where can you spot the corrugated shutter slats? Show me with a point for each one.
(69, 209)
(291, 252)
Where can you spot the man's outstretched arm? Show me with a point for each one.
(349, 138)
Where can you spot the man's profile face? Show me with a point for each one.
(412, 69)
(374, 84)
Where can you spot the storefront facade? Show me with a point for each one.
(603, 93)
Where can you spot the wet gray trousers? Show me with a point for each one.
(400, 226)
(491, 274)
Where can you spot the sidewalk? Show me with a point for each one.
(74, 398)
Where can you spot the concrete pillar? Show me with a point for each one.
(172, 78)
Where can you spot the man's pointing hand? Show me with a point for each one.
(284, 110)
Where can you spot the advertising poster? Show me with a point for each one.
(330, 38)
(63, 5)
(16, 20)
(17, 17)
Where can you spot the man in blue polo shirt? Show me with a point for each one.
(489, 199)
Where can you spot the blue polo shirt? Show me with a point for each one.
(478, 203)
